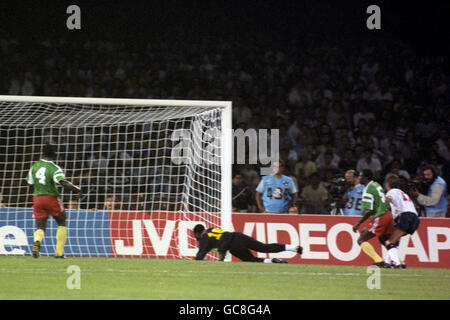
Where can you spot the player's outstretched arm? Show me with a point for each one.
(69, 185)
(201, 254)
(366, 216)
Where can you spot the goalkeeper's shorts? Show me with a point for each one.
(43, 206)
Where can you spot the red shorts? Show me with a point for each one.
(47, 205)
(382, 225)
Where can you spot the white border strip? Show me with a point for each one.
(116, 101)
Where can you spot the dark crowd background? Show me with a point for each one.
(343, 96)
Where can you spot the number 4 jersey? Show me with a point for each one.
(44, 175)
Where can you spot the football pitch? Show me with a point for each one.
(26, 278)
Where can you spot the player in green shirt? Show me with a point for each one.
(45, 176)
(377, 209)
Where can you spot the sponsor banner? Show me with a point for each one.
(331, 240)
(87, 233)
(161, 234)
(325, 239)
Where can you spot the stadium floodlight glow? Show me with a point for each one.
(136, 159)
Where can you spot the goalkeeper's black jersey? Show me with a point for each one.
(213, 238)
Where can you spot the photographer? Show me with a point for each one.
(336, 188)
(435, 202)
(353, 195)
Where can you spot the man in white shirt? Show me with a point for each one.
(404, 213)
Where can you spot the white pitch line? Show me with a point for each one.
(190, 272)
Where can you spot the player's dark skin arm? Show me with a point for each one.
(201, 255)
(202, 252)
(70, 186)
(203, 249)
(365, 234)
(367, 214)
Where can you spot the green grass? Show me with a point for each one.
(167, 279)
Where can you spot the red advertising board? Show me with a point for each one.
(330, 239)
(325, 239)
(159, 234)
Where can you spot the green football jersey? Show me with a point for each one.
(374, 198)
(44, 175)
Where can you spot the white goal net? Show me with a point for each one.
(149, 170)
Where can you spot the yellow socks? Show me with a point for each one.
(38, 235)
(370, 251)
(60, 240)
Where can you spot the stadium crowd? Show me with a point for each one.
(338, 105)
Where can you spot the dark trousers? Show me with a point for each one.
(241, 245)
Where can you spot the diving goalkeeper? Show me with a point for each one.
(238, 244)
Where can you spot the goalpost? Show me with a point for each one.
(149, 170)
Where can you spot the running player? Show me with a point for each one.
(44, 176)
(377, 209)
(405, 216)
(238, 244)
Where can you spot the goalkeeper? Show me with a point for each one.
(238, 244)
(44, 176)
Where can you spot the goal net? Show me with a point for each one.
(149, 170)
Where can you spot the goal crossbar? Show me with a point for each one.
(116, 101)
